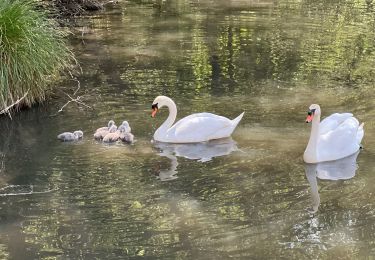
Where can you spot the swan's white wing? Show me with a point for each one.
(199, 126)
(340, 142)
(332, 122)
(200, 115)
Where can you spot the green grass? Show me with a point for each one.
(32, 53)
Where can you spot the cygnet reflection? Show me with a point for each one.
(342, 169)
(202, 152)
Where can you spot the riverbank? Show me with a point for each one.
(64, 9)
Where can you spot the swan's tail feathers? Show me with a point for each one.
(360, 133)
(237, 120)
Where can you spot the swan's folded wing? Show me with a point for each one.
(332, 122)
(200, 115)
(202, 125)
(341, 141)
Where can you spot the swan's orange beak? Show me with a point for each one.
(154, 111)
(310, 115)
(309, 118)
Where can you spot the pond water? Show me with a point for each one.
(250, 196)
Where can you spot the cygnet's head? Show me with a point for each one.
(125, 123)
(111, 123)
(121, 129)
(78, 133)
(126, 126)
(314, 109)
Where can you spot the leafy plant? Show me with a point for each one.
(33, 53)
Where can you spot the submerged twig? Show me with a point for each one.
(6, 135)
(2, 160)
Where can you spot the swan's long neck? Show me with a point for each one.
(171, 118)
(311, 149)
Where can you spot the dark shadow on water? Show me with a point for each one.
(202, 152)
(343, 169)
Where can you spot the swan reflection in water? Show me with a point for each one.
(202, 152)
(342, 169)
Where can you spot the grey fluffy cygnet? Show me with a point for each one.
(112, 136)
(99, 135)
(125, 133)
(127, 126)
(110, 123)
(102, 131)
(68, 136)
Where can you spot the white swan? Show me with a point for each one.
(336, 137)
(194, 128)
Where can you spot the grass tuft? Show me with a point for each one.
(33, 53)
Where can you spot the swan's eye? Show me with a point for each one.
(154, 106)
(311, 112)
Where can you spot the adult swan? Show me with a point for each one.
(336, 137)
(191, 129)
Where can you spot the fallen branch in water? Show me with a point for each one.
(7, 109)
(76, 80)
(110, 2)
(77, 100)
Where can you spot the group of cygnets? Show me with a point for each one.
(108, 134)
